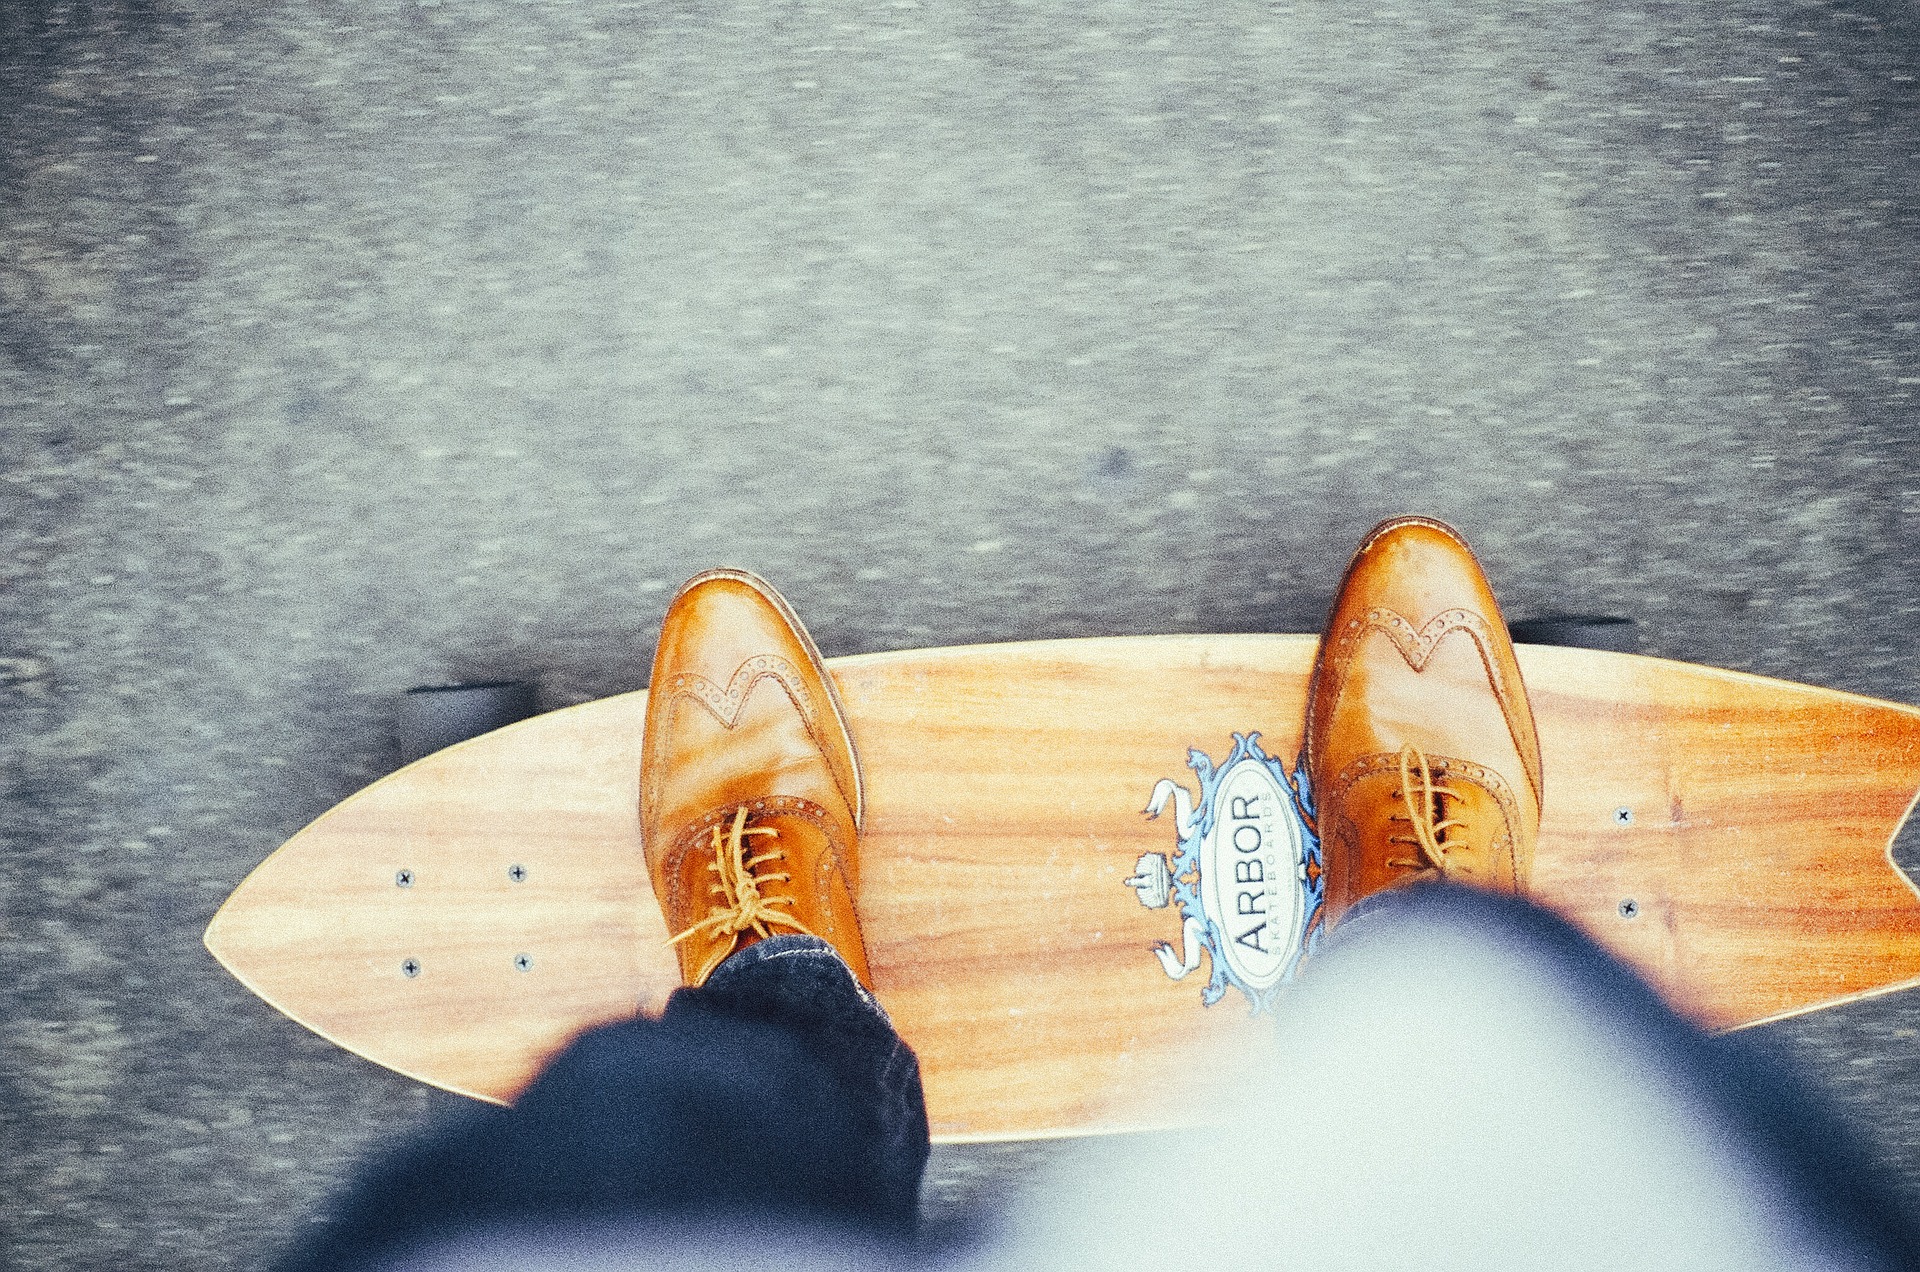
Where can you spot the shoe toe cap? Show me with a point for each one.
(1419, 568)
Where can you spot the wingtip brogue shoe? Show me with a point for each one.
(750, 796)
(1420, 742)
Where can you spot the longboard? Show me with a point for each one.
(1084, 863)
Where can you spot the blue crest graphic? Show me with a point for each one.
(1247, 877)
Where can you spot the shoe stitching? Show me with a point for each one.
(726, 705)
(1416, 647)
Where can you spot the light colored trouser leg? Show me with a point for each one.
(1440, 1101)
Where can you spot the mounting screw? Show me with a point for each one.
(403, 879)
(517, 873)
(1629, 908)
(1623, 816)
(523, 961)
(410, 968)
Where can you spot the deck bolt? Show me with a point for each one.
(1623, 816)
(1629, 908)
(523, 961)
(410, 968)
(517, 873)
(403, 879)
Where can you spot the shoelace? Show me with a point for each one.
(743, 907)
(1424, 801)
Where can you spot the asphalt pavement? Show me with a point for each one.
(347, 347)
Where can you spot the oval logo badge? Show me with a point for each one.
(1246, 877)
(1250, 874)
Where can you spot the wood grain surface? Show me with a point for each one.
(1746, 820)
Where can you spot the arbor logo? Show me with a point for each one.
(1246, 875)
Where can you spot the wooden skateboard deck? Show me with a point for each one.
(1056, 958)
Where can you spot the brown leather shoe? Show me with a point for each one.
(1420, 744)
(750, 798)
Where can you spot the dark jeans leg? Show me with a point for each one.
(778, 1091)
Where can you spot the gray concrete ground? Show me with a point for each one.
(345, 347)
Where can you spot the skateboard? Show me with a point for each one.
(1087, 865)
